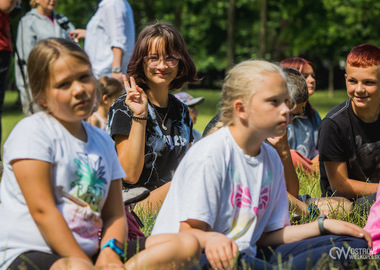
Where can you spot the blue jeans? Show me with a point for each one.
(298, 255)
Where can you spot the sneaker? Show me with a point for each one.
(134, 195)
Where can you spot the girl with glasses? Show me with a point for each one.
(151, 128)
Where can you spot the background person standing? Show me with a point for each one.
(39, 23)
(110, 38)
(6, 6)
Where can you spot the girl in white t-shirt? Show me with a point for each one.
(229, 189)
(62, 180)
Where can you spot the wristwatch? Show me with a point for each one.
(111, 243)
(116, 70)
(322, 229)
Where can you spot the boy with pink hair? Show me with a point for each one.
(349, 138)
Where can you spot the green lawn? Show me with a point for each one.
(309, 184)
(12, 113)
(320, 100)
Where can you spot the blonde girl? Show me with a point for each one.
(229, 189)
(109, 89)
(152, 129)
(62, 179)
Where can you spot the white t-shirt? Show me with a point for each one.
(82, 173)
(237, 195)
(111, 26)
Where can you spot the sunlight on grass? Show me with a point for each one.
(11, 115)
(309, 184)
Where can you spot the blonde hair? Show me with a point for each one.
(41, 59)
(33, 3)
(241, 83)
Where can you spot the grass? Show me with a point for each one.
(12, 113)
(309, 184)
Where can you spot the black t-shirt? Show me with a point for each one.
(211, 124)
(344, 137)
(164, 149)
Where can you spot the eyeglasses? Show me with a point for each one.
(153, 61)
(298, 115)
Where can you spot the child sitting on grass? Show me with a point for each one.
(62, 180)
(303, 205)
(229, 189)
(109, 89)
(302, 132)
(349, 137)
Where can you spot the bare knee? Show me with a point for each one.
(190, 246)
(71, 263)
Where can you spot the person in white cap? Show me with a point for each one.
(191, 103)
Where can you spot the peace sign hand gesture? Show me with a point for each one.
(136, 99)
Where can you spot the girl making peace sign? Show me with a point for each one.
(151, 128)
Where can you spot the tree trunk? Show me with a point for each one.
(263, 23)
(231, 35)
(178, 14)
(331, 79)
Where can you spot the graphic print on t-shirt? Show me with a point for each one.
(90, 186)
(164, 148)
(87, 190)
(368, 157)
(245, 209)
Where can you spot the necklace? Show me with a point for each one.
(166, 114)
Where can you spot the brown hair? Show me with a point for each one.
(296, 85)
(299, 63)
(41, 60)
(108, 86)
(174, 46)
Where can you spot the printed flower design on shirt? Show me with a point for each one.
(90, 186)
(240, 197)
(241, 201)
(245, 209)
(264, 199)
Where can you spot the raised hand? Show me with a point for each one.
(281, 144)
(136, 99)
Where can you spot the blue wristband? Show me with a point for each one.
(313, 210)
(111, 243)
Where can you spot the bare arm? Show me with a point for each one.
(77, 34)
(291, 179)
(290, 234)
(35, 180)
(115, 225)
(117, 62)
(300, 208)
(344, 186)
(219, 249)
(131, 149)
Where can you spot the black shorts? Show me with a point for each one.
(32, 260)
(134, 247)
